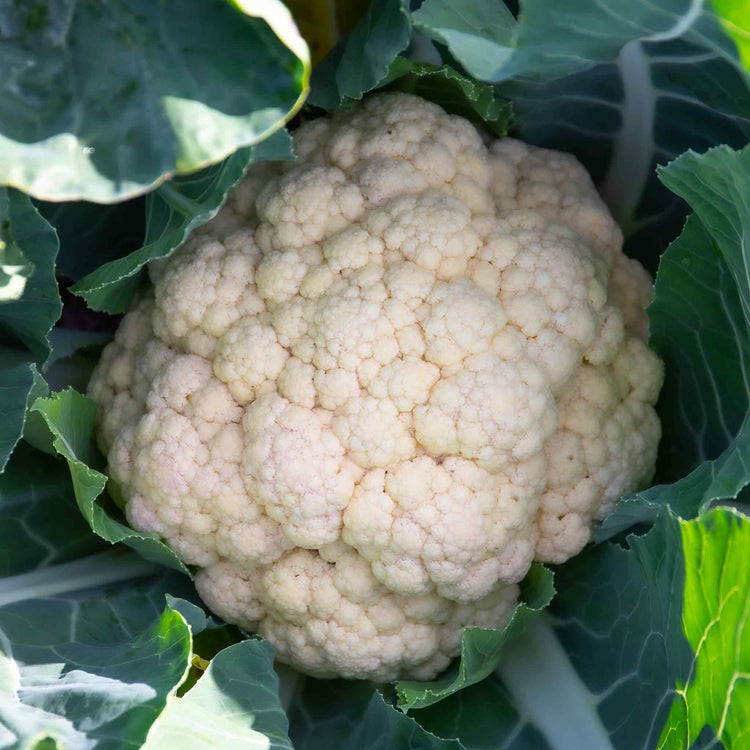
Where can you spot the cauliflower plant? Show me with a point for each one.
(379, 384)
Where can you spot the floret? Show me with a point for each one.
(379, 384)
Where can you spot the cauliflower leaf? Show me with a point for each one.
(27, 318)
(643, 647)
(705, 269)
(70, 418)
(164, 98)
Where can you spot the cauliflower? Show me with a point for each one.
(379, 384)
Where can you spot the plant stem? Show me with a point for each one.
(549, 693)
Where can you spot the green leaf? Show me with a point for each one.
(480, 34)
(705, 270)
(39, 522)
(481, 650)
(360, 62)
(234, 704)
(697, 328)
(644, 600)
(714, 620)
(455, 93)
(92, 234)
(632, 633)
(624, 92)
(25, 322)
(88, 667)
(30, 318)
(70, 418)
(484, 717)
(16, 381)
(352, 716)
(716, 185)
(552, 41)
(735, 18)
(35, 431)
(173, 211)
(15, 267)
(382, 33)
(177, 85)
(70, 364)
(193, 615)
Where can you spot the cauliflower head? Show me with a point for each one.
(379, 384)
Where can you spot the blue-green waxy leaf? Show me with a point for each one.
(92, 234)
(15, 267)
(88, 654)
(716, 186)
(70, 418)
(39, 522)
(624, 92)
(455, 93)
(701, 318)
(352, 715)
(697, 328)
(361, 61)
(27, 317)
(30, 318)
(177, 85)
(16, 382)
(646, 646)
(554, 40)
(172, 212)
(481, 650)
(480, 34)
(234, 704)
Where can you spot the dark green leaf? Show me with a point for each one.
(39, 522)
(235, 704)
(173, 211)
(92, 234)
(101, 668)
(455, 93)
(354, 716)
(16, 380)
(70, 419)
(479, 33)
(25, 322)
(481, 650)
(360, 62)
(484, 718)
(176, 85)
(642, 641)
(29, 319)
(712, 406)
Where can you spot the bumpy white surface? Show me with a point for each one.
(379, 384)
